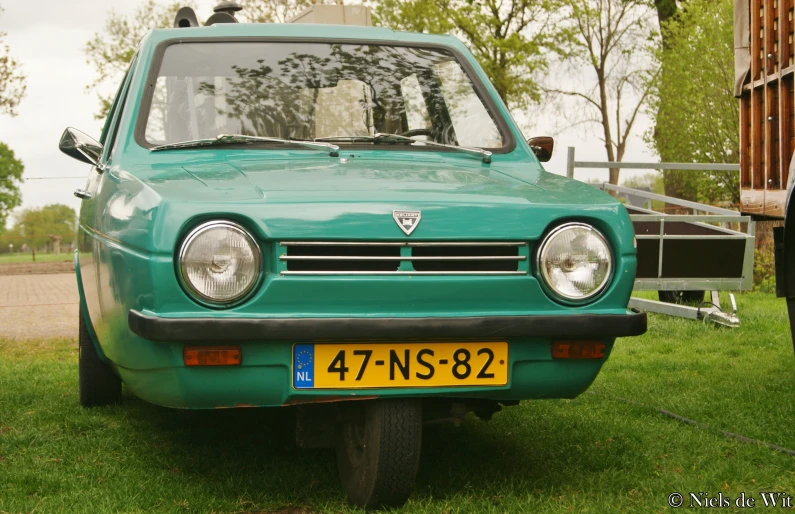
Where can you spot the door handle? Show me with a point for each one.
(82, 194)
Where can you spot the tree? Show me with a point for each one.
(695, 113)
(11, 170)
(12, 89)
(12, 81)
(650, 181)
(666, 9)
(615, 73)
(511, 39)
(272, 11)
(37, 227)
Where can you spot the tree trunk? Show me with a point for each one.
(33, 252)
(619, 157)
(675, 182)
(609, 143)
(605, 113)
(666, 9)
(614, 176)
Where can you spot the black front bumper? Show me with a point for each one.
(213, 330)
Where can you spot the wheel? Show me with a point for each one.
(681, 297)
(378, 451)
(98, 384)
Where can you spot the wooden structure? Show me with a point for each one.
(764, 70)
(338, 14)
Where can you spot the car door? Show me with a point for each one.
(90, 237)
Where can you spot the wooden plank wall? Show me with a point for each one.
(767, 108)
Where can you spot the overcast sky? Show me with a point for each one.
(48, 37)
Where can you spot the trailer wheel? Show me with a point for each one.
(378, 451)
(681, 297)
(98, 384)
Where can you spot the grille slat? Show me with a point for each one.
(399, 258)
(368, 258)
(387, 243)
(393, 273)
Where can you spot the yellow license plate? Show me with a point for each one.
(379, 365)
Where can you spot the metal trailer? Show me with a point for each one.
(711, 249)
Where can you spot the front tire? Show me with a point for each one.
(98, 384)
(378, 452)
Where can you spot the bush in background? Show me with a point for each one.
(764, 257)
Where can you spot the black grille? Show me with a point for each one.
(313, 258)
(351, 258)
(472, 258)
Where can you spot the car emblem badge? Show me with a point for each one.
(407, 220)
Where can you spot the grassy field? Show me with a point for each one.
(14, 258)
(596, 454)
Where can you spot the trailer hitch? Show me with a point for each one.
(712, 313)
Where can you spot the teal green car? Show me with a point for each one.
(344, 220)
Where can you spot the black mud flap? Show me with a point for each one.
(791, 313)
(780, 261)
(783, 288)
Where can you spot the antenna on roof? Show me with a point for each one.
(224, 13)
(230, 7)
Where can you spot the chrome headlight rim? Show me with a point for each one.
(197, 295)
(545, 280)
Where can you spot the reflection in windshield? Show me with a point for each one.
(307, 91)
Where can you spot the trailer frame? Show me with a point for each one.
(714, 225)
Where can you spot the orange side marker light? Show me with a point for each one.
(212, 355)
(578, 350)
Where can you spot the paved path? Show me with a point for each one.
(28, 268)
(38, 306)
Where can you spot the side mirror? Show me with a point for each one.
(542, 146)
(80, 146)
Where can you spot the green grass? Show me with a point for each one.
(6, 258)
(594, 454)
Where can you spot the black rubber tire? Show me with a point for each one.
(98, 384)
(682, 297)
(378, 452)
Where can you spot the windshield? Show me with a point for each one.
(306, 91)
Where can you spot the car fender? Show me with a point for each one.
(84, 309)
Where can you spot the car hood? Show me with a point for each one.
(354, 197)
(351, 179)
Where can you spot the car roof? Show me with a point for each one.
(301, 30)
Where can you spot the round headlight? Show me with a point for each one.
(219, 263)
(575, 262)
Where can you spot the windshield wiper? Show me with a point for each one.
(229, 139)
(353, 139)
(484, 155)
